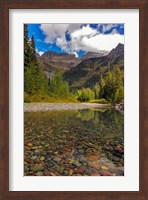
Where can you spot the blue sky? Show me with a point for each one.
(76, 38)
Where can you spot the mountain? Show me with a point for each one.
(90, 54)
(58, 56)
(51, 62)
(86, 73)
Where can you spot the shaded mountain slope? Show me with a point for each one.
(86, 73)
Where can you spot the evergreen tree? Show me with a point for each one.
(27, 49)
(33, 51)
(58, 87)
(102, 84)
(119, 94)
(110, 86)
(35, 81)
(119, 81)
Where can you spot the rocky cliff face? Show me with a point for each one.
(93, 55)
(58, 56)
(52, 61)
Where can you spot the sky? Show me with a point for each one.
(76, 39)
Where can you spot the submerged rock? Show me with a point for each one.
(36, 168)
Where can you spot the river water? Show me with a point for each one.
(74, 143)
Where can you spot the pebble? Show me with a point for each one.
(71, 151)
(83, 159)
(75, 163)
(94, 164)
(104, 168)
(65, 172)
(42, 158)
(39, 174)
(59, 106)
(30, 144)
(70, 172)
(46, 173)
(115, 158)
(89, 172)
(57, 159)
(26, 169)
(36, 168)
(33, 157)
(106, 173)
(80, 170)
(120, 171)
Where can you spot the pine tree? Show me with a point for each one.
(27, 49)
(119, 81)
(33, 51)
(58, 87)
(35, 81)
(110, 86)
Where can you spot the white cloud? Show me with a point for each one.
(82, 38)
(52, 31)
(102, 42)
(86, 31)
(75, 53)
(39, 52)
(107, 27)
(114, 31)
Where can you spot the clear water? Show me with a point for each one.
(58, 140)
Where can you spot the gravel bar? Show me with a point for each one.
(35, 107)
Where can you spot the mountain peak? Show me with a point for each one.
(120, 45)
(51, 55)
(91, 54)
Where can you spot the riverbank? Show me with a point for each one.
(119, 108)
(36, 107)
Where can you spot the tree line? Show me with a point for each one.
(109, 88)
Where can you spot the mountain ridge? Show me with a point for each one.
(83, 71)
(86, 73)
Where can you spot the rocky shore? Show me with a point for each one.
(36, 107)
(120, 108)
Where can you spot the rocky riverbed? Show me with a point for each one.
(74, 143)
(36, 107)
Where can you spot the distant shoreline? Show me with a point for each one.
(36, 107)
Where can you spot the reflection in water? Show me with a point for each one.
(81, 142)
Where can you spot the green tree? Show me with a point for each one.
(97, 90)
(58, 87)
(101, 84)
(33, 51)
(110, 86)
(27, 49)
(119, 81)
(84, 95)
(113, 89)
(35, 81)
(119, 94)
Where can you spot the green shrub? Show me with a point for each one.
(84, 95)
(27, 98)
